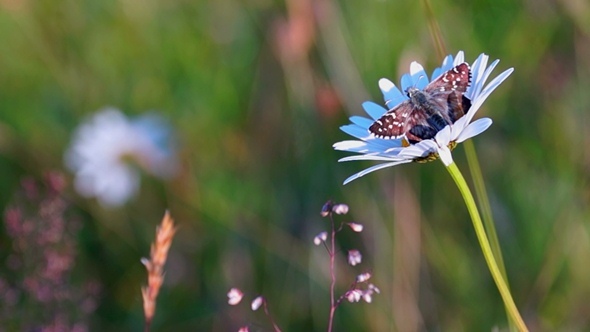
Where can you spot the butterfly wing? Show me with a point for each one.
(396, 122)
(457, 105)
(446, 91)
(406, 119)
(457, 78)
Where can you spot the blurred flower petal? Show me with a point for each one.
(108, 150)
(234, 296)
(256, 303)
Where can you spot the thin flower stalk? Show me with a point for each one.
(486, 248)
(355, 293)
(332, 274)
(155, 267)
(267, 313)
(472, 162)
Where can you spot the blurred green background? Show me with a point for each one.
(256, 91)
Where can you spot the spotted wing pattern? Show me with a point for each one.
(398, 121)
(443, 102)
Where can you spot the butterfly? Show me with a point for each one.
(426, 112)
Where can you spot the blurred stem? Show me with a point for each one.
(437, 38)
(332, 274)
(484, 204)
(486, 248)
(488, 219)
(272, 321)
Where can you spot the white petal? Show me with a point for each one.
(497, 81)
(445, 155)
(443, 137)
(446, 65)
(487, 72)
(486, 92)
(416, 68)
(436, 73)
(475, 128)
(370, 157)
(421, 149)
(419, 76)
(384, 145)
(368, 146)
(482, 76)
(386, 85)
(459, 126)
(447, 62)
(397, 149)
(406, 82)
(374, 110)
(356, 131)
(459, 59)
(352, 146)
(391, 93)
(374, 168)
(361, 121)
(347, 145)
(477, 72)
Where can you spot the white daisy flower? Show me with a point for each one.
(108, 150)
(396, 151)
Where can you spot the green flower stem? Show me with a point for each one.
(486, 248)
(486, 211)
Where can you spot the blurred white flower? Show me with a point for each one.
(354, 295)
(354, 257)
(363, 277)
(374, 288)
(340, 209)
(320, 238)
(234, 296)
(356, 227)
(256, 303)
(108, 150)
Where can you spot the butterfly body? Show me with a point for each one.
(426, 112)
(426, 101)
